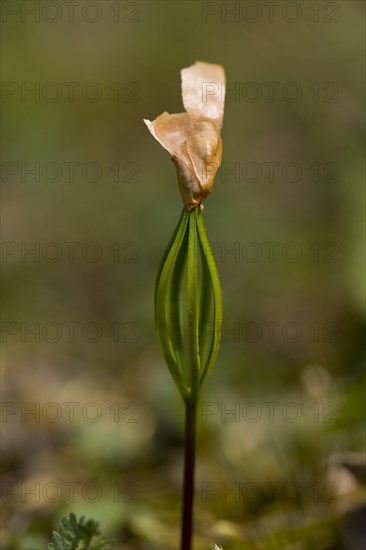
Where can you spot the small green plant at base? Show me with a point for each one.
(77, 534)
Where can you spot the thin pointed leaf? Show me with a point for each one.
(206, 307)
(162, 303)
(192, 307)
(176, 307)
(217, 295)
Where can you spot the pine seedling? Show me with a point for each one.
(188, 301)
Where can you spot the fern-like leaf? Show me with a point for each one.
(74, 532)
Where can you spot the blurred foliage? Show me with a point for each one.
(120, 460)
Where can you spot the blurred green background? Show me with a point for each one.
(105, 435)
